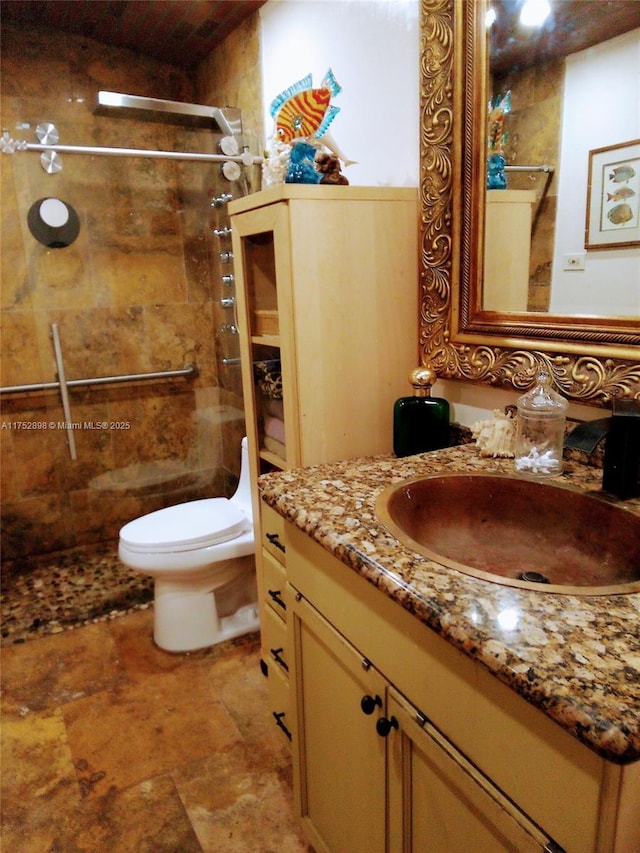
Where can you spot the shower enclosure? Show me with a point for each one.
(120, 370)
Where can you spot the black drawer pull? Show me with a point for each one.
(275, 541)
(275, 596)
(278, 659)
(280, 724)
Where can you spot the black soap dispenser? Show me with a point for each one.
(621, 474)
(420, 422)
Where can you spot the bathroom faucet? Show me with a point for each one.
(621, 468)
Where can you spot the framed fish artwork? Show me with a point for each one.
(613, 197)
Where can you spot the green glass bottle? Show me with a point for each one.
(420, 422)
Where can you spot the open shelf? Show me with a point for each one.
(276, 462)
(266, 340)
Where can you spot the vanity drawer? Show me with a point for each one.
(275, 585)
(279, 703)
(275, 644)
(272, 532)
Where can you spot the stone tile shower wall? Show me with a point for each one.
(534, 126)
(232, 75)
(134, 293)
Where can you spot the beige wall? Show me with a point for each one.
(138, 291)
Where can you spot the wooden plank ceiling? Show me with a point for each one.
(181, 32)
(573, 25)
(184, 32)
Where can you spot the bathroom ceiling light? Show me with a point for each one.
(534, 13)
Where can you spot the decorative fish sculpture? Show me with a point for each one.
(302, 111)
(621, 194)
(621, 174)
(497, 136)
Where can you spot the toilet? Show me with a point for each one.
(201, 557)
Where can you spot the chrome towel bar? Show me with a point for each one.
(189, 371)
(63, 384)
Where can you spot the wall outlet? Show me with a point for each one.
(574, 261)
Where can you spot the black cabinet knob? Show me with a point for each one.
(370, 703)
(384, 726)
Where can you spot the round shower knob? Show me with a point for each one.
(231, 170)
(51, 162)
(47, 133)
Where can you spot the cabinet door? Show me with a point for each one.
(339, 758)
(439, 801)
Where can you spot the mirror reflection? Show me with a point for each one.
(574, 107)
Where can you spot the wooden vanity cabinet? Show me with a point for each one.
(339, 757)
(402, 744)
(327, 302)
(362, 745)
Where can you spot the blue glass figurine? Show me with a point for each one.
(496, 138)
(301, 169)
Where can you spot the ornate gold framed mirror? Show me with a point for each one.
(592, 358)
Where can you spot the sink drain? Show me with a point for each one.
(533, 577)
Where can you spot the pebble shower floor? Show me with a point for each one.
(53, 593)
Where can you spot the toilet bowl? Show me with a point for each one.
(201, 557)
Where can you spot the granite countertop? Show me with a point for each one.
(576, 658)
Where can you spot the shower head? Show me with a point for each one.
(225, 120)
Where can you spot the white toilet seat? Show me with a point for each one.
(185, 527)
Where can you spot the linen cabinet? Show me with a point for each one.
(327, 313)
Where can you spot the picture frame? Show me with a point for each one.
(613, 197)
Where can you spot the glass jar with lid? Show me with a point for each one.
(540, 429)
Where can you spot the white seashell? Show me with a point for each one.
(496, 437)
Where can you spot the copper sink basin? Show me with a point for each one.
(517, 532)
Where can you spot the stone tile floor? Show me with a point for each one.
(50, 594)
(111, 744)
